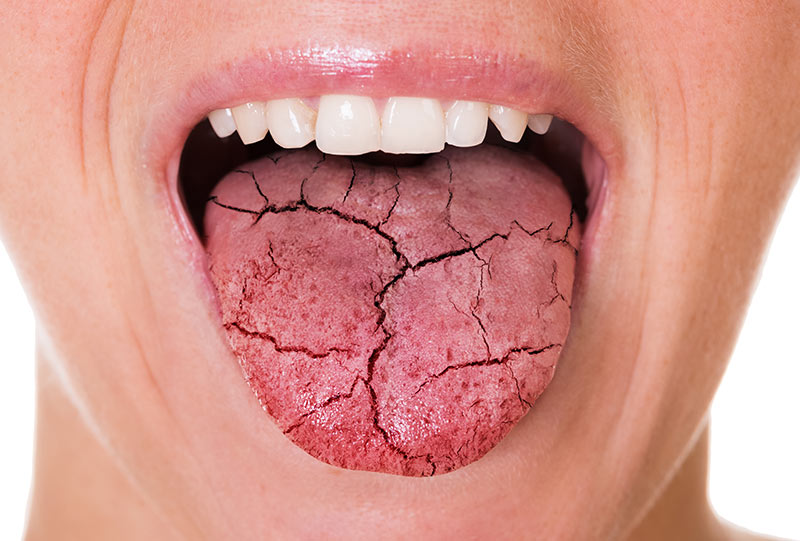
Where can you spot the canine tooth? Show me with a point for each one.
(412, 126)
(291, 122)
(539, 123)
(347, 125)
(510, 122)
(466, 123)
(222, 122)
(251, 122)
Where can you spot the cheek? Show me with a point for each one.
(709, 39)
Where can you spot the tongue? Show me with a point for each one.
(399, 320)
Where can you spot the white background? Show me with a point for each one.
(755, 435)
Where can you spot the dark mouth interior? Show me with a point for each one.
(206, 159)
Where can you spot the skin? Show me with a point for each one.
(142, 404)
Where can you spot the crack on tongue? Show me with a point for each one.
(352, 181)
(396, 189)
(558, 294)
(485, 313)
(327, 402)
(488, 362)
(285, 348)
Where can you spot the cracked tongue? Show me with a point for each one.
(394, 320)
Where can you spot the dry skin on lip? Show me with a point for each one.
(398, 320)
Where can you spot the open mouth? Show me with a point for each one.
(395, 276)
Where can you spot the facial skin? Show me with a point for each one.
(147, 429)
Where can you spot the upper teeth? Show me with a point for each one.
(412, 125)
(348, 125)
(222, 122)
(510, 122)
(466, 123)
(251, 121)
(291, 122)
(351, 125)
(540, 123)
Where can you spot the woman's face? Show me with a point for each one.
(693, 108)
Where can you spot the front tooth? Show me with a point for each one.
(540, 123)
(222, 122)
(347, 125)
(251, 122)
(412, 126)
(510, 122)
(291, 122)
(466, 123)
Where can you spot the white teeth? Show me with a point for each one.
(251, 122)
(350, 125)
(510, 122)
(222, 122)
(412, 126)
(347, 125)
(466, 123)
(291, 122)
(540, 123)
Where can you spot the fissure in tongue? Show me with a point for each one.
(399, 320)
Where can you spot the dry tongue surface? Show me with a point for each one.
(399, 320)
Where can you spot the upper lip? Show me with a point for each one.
(520, 83)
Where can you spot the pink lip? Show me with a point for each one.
(504, 79)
